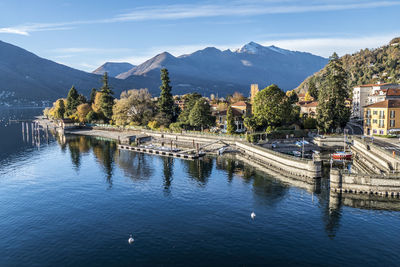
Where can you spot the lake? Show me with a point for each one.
(75, 201)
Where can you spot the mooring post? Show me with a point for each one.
(197, 148)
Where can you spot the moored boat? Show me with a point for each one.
(342, 155)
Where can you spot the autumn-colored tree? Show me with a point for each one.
(308, 97)
(82, 110)
(236, 97)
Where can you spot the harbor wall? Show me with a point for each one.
(384, 185)
(303, 169)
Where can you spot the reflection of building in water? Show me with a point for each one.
(168, 171)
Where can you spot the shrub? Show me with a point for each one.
(153, 125)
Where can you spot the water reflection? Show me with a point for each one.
(200, 169)
(168, 172)
(136, 166)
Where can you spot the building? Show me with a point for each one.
(253, 92)
(361, 93)
(243, 107)
(237, 117)
(309, 109)
(384, 94)
(382, 118)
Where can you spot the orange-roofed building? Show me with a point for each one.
(309, 109)
(382, 118)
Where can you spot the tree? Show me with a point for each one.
(312, 89)
(133, 107)
(72, 101)
(59, 109)
(92, 95)
(82, 111)
(293, 97)
(250, 123)
(230, 121)
(96, 106)
(331, 111)
(190, 101)
(200, 115)
(307, 97)
(271, 108)
(165, 101)
(106, 98)
(236, 97)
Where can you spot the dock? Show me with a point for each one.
(161, 152)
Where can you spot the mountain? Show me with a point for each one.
(24, 77)
(366, 66)
(212, 70)
(113, 68)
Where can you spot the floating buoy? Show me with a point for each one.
(131, 240)
(253, 215)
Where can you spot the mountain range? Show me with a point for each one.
(113, 68)
(24, 75)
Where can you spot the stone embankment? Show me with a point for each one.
(383, 185)
(298, 168)
(371, 158)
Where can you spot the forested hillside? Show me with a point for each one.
(365, 66)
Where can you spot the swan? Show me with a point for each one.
(131, 240)
(253, 215)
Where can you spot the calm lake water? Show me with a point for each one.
(75, 201)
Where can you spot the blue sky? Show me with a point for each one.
(85, 34)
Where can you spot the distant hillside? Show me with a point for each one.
(113, 69)
(213, 70)
(25, 76)
(366, 66)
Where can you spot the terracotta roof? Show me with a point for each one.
(372, 84)
(311, 104)
(240, 103)
(236, 113)
(386, 104)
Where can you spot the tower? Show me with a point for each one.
(253, 92)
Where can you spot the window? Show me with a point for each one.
(375, 112)
(368, 122)
(381, 123)
(374, 131)
(381, 114)
(392, 114)
(392, 123)
(381, 132)
(375, 121)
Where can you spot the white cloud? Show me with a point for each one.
(237, 8)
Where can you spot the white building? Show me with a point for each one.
(361, 95)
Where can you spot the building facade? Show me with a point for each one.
(361, 94)
(382, 118)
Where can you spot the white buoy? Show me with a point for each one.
(131, 240)
(253, 215)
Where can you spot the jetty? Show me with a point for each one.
(161, 152)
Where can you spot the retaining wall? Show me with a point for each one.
(364, 183)
(303, 169)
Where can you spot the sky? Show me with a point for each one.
(85, 34)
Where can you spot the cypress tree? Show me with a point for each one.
(107, 100)
(72, 101)
(166, 102)
(230, 121)
(331, 111)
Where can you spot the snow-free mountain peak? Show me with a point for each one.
(113, 69)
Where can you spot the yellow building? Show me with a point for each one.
(382, 118)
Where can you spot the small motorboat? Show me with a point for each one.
(342, 155)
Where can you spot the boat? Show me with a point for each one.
(342, 155)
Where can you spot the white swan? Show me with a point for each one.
(253, 215)
(131, 240)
